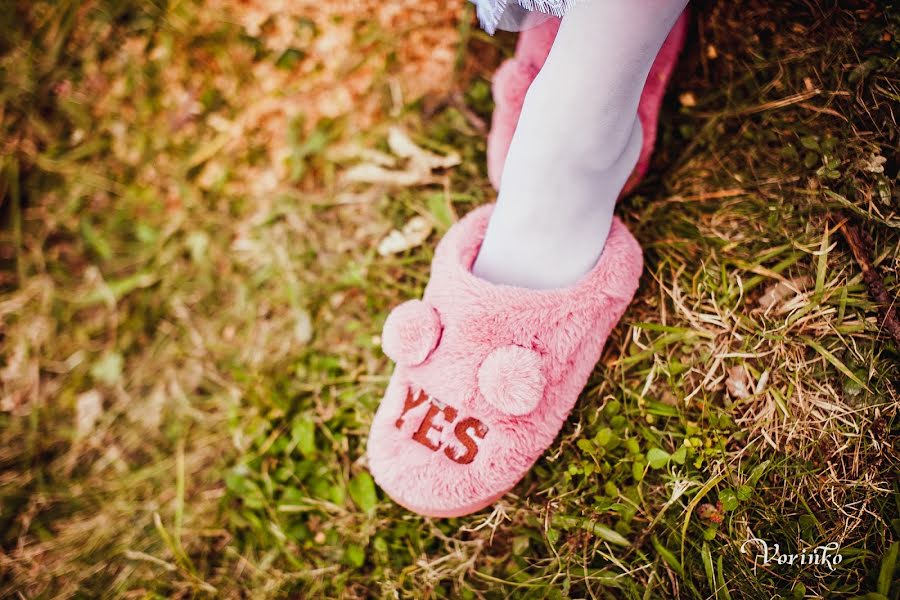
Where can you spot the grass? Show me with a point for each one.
(191, 297)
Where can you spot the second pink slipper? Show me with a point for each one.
(487, 374)
(514, 77)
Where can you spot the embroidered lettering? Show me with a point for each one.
(462, 434)
(409, 404)
(466, 430)
(421, 434)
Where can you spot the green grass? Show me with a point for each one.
(191, 297)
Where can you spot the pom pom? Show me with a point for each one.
(410, 333)
(511, 379)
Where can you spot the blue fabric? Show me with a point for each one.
(517, 15)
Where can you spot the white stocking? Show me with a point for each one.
(576, 143)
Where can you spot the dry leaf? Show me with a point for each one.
(875, 164)
(401, 145)
(352, 151)
(88, 408)
(303, 329)
(763, 380)
(420, 164)
(782, 290)
(147, 411)
(372, 173)
(413, 234)
(738, 382)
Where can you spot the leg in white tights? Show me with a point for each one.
(576, 143)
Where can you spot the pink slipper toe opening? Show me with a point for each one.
(487, 374)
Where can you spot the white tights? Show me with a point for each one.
(576, 143)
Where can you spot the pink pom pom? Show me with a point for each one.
(511, 379)
(410, 333)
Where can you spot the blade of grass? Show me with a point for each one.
(721, 580)
(708, 567)
(888, 565)
(822, 266)
(693, 504)
(601, 531)
(835, 362)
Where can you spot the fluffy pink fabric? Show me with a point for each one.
(437, 446)
(514, 77)
(511, 82)
(410, 333)
(511, 378)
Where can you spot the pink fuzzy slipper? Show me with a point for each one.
(514, 77)
(487, 374)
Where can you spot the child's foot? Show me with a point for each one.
(549, 242)
(487, 374)
(510, 84)
(513, 78)
(581, 135)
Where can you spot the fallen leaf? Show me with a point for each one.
(88, 408)
(413, 234)
(761, 384)
(738, 382)
(372, 173)
(782, 290)
(108, 369)
(420, 164)
(875, 164)
(147, 412)
(303, 330)
(401, 145)
(349, 152)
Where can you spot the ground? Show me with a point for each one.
(199, 204)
